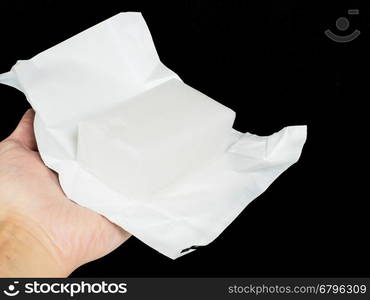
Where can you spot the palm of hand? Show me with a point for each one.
(31, 191)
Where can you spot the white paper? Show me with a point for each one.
(105, 66)
(143, 145)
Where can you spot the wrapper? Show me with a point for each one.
(105, 66)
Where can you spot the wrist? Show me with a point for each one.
(27, 251)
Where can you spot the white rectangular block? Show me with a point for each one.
(151, 140)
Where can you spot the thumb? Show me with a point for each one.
(24, 133)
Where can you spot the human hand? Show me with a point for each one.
(42, 232)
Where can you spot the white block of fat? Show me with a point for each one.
(151, 140)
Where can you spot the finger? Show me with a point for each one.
(24, 132)
(116, 234)
(112, 236)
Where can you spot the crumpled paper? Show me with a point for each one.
(110, 63)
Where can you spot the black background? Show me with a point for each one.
(273, 65)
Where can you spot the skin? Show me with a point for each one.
(42, 232)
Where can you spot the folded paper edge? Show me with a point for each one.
(10, 79)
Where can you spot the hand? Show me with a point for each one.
(42, 232)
